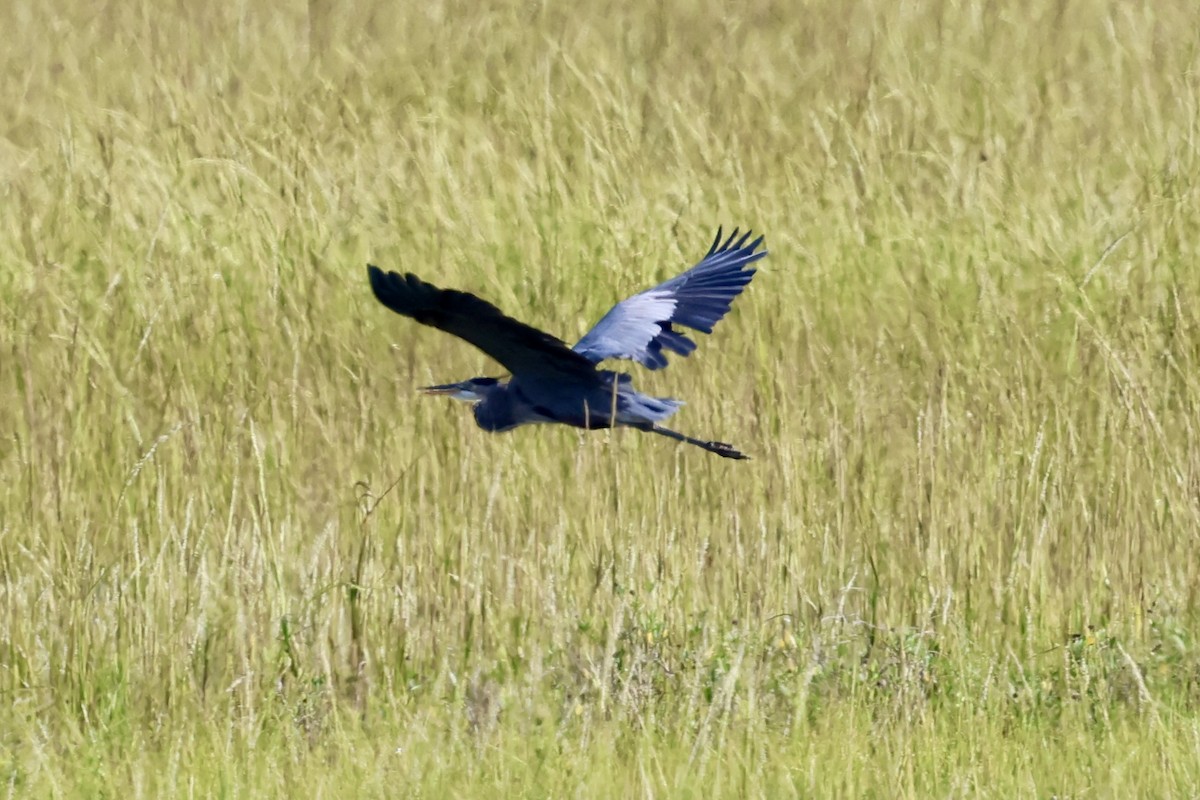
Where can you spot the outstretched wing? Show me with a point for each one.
(643, 327)
(523, 350)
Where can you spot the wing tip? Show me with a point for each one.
(733, 244)
(379, 281)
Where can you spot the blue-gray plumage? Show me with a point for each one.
(554, 383)
(641, 327)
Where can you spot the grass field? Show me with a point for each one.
(241, 557)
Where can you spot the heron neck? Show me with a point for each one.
(497, 410)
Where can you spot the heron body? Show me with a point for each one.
(553, 383)
(504, 405)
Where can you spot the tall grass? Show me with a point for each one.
(240, 557)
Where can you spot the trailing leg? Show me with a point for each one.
(720, 448)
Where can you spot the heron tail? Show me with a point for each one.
(634, 407)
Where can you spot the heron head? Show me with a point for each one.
(472, 390)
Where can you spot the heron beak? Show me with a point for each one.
(445, 388)
(459, 391)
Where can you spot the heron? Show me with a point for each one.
(550, 382)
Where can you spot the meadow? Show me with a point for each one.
(240, 555)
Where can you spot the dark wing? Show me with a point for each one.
(524, 351)
(643, 326)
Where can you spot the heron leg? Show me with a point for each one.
(720, 448)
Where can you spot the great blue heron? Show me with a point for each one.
(551, 382)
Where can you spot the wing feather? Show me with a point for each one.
(523, 350)
(641, 327)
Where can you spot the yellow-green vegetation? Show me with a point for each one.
(241, 557)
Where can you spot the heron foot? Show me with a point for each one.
(727, 450)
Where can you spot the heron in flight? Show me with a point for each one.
(550, 382)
